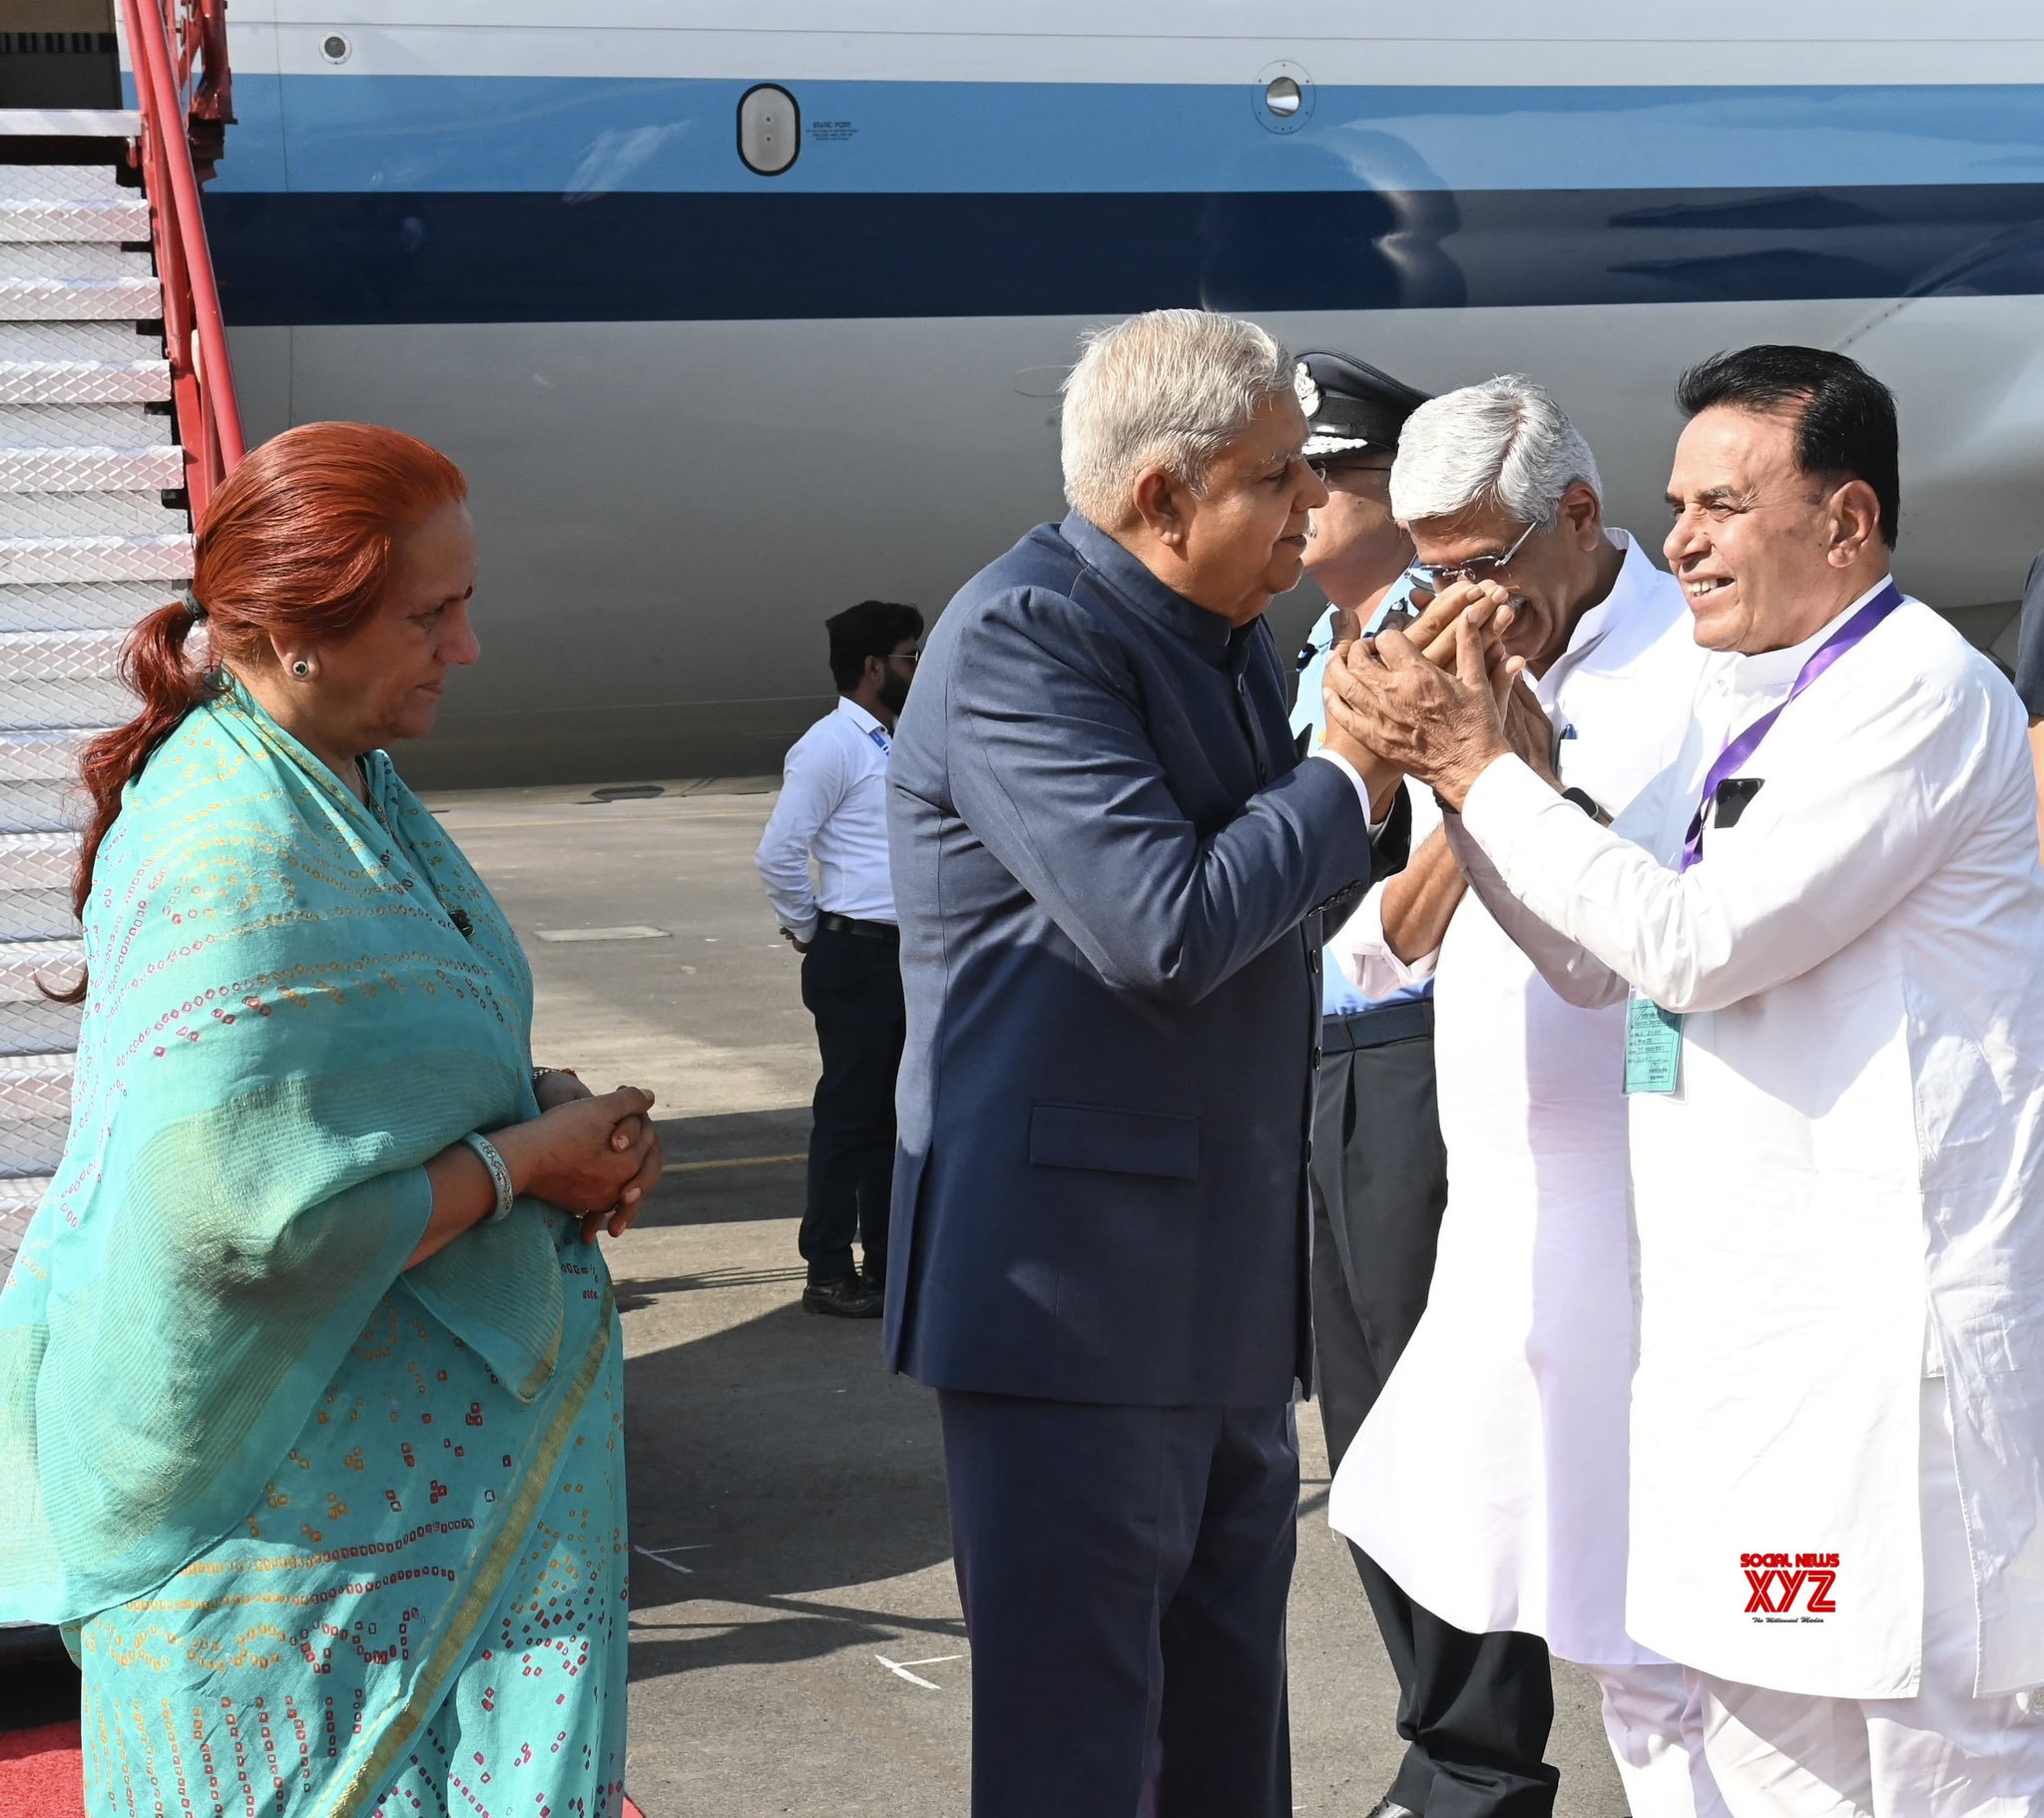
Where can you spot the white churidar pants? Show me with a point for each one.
(1941, 1755)
(1654, 1720)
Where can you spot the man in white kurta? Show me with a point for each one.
(1838, 1502)
(1510, 1405)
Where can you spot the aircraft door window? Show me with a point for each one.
(1284, 98)
(770, 128)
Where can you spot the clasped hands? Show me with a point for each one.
(596, 1158)
(1439, 701)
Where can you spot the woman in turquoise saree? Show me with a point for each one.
(309, 1367)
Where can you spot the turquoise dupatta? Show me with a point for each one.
(285, 1023)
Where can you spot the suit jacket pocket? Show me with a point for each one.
(1114, 1141)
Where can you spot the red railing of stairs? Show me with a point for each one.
(173, 115)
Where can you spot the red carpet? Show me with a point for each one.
(40, 1772)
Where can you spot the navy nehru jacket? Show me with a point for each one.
(1108, 862)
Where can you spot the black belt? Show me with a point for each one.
(866, 931)
(1375, 1027)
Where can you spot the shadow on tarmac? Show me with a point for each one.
(777, 1471)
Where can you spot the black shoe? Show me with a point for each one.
(874, 1276)
(1388, 1807)
(847, 1297)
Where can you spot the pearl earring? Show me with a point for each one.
(301, 669)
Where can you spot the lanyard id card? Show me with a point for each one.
(1653, 1048)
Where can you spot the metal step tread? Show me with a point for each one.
(39, 782)
(39, 789)
(68, 123)
(38, 703)
(35, 886)
(73, 340)
(33, 861)
(75, 469)
(30, 1021)
(36, 1082)
(62, 182)
(58, 655)
(35, 1113)
(70, 261)
(138, 381)
(84, 426)
(36, 873)
(31, 1143)
(22, 961)
(93, 558)
(121, 214)
(135, 512)
(79, 606)
(29, 1151)
(122, 425)
(44, 754)
(20, 957)
(51, 299)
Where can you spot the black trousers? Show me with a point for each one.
(1475, 1710)
(1124, 1573)
(851, 984)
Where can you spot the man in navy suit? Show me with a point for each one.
(1109, 862)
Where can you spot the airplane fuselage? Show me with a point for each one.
(702, 407)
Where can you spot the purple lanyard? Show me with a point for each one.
(1735, 755)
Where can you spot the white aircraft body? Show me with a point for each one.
(736, 316)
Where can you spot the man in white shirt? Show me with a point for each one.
(1474, 1709)
(1510, 1403)
(1828, 912)
(834, 808)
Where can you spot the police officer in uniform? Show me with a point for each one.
(1474, 1709)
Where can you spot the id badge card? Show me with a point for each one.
(1653, 1046)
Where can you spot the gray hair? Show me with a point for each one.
(1503, 443)
(1171, 389)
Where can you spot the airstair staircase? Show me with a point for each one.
(99, 465)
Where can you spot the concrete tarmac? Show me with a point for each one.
(797, 1644)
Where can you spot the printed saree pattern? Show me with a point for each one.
(423, 1613)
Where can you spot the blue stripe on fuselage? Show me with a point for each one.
(452, 258)
(574, 136)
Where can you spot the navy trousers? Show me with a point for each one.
(1124, 1573)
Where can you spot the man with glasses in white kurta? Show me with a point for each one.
(1490, 1479)
(1823, 922)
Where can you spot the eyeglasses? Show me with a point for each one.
(1328, 471)
(911, 657)
(1438, 577)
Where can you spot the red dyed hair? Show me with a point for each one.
(296, 543)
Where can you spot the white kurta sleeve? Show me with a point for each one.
(812, 785)
(1573, 972)
(1823, 852)
(1366, 956)
(1358, 946)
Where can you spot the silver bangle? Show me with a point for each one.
(500, 1175)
